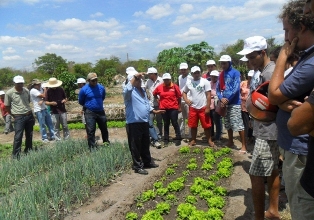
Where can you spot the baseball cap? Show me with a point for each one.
(152, 70)
(210, 62)
(18, 79)
(166, 76)
(251, 73)
(131, 70)
(184, 66)
(80, 80)
(214, 73)
(256, 43)
(195, 68)
(225, 58)
(91, 76)
(2, 92)
(244, 59)
(36, 82)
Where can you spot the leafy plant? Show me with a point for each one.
(175, 186)
(186, 173)
(158, 185)
(214, 213)
(162, 191)
(191, 199)
(208, 151)
(206, 194)
(214, 177)
(220, 191)
(171, 198)
(184, 210)
(216, 202)
(191, 166)
(195, 189)
(196, 151)
(163, 208)
(175, 165)
(147, 195)
(170, 171)
(184, 150)
(131, 216)
(152, 215)
(224, 172)
(192, 160)
(206, 166)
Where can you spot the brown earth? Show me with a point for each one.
(114, 201)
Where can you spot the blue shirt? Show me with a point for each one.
(232, 91)
(298, 84)
(137, 108)
(92, 97)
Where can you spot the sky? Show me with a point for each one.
(89, 30)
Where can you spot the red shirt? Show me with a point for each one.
(3, 110)
(168, 96)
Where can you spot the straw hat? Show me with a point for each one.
(53, 82)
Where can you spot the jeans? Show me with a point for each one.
(44, 119)
(217, 121)
(58, 119)
(171, 115)
(182, 116)
(138, 139)
(21, 123)
(8, 123)
(152, 130)
(158, 119)
(91, 119)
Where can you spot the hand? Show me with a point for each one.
(207, 111)
(289, 105)
(287, 49)
(54, 103)
(159, 111)
(224, 101)
(188, 102)
(179, 109)
(64, 101)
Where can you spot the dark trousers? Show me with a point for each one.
(138, 139)
(216, 122)
(246, 121)
(91, 119)
(171, 115)
(21, 123)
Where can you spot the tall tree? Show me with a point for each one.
(169, 60)
(50, 63)
(82, 69)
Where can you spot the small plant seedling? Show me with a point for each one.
(158, 185)
(191, 166)
(184, 150)
(196, 151)
(163, 208)
(170, 171)
(191, 199)
(131, 216)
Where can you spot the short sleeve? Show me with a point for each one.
(207, 86)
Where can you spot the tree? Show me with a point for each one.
(169, 60)
(232, 51)
(68, 84)
(103, 64)
(82, 69)
(50, 63)
(6, 77)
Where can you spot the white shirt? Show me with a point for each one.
(198, 91)
(151, 86)
(255, 81)
(182, 82)
(34, 93)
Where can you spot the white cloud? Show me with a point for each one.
(192, 33)
(168, 45)
(59, 36)
(97, 14)
(115, 34)
(159, 11)
(9, 50)
(64, 48)
(34, 52)
(142, 28)
(12, 58)
(118, 46)
(138, 14)
(21, 41)
(185, 8)
(181, 20)
(136, 41)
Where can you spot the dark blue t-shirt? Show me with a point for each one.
(297, 85)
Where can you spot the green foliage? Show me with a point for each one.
(215, 214)
(206, 166)
(196, 189)
(131, 216)
(161, 191)
(184, 210)
(214, 177)
(191, 166)
(169, 60)
(206, 194)
(192, 160)
(198, 54)
(174, 165)
(147, 195)
(163, 208)
(216, 202)
(184, 150)
(208, 151)
(158, 185)
(51, 63)
(82, 69)
(220, 191)
(152, 215)
(175, 186)
(170, 171)
(171, 198)
(186, 173)
(68, 84)
(196, 151)
(191, 199)
(6, 77)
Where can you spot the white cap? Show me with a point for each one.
(131, 70)
(2, 92)
(225, 58)
(80, 80)
(244, 59)
(214, 73)
(152, 70)
(256, 43)
(184, 66)
(166, 76)
(18, 79)
(210, 62)
(251, 73)
(195, 68)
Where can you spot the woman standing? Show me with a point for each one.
(169, 97)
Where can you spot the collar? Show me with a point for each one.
(307, 51)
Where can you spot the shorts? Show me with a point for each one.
(233, 119)
(198, 114)
(265, 158)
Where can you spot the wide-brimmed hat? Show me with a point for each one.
(53, 82)
(2, 92)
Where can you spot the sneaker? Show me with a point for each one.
(55, 138)
(166, 143)
(156, 144)
(177, 142)
(141, 171)
(151, 165)
(46, 141)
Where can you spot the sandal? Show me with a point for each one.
(192, 143)
(213, 146)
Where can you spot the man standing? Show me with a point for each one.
(151, 84)
(40, 109)
(289, 93)
(184, 114)
(56, 99)
(228, 92)
(199, 105)
(266, 151)
(17, 102)
(6, 116)
(92, 97)
(138, 108)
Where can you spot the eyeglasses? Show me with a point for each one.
(93, 80)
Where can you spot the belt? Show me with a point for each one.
(27, 113)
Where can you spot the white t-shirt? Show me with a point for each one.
(198, 91)
(255, 81)
(35, 99)
(182, 82)
(151, 86)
